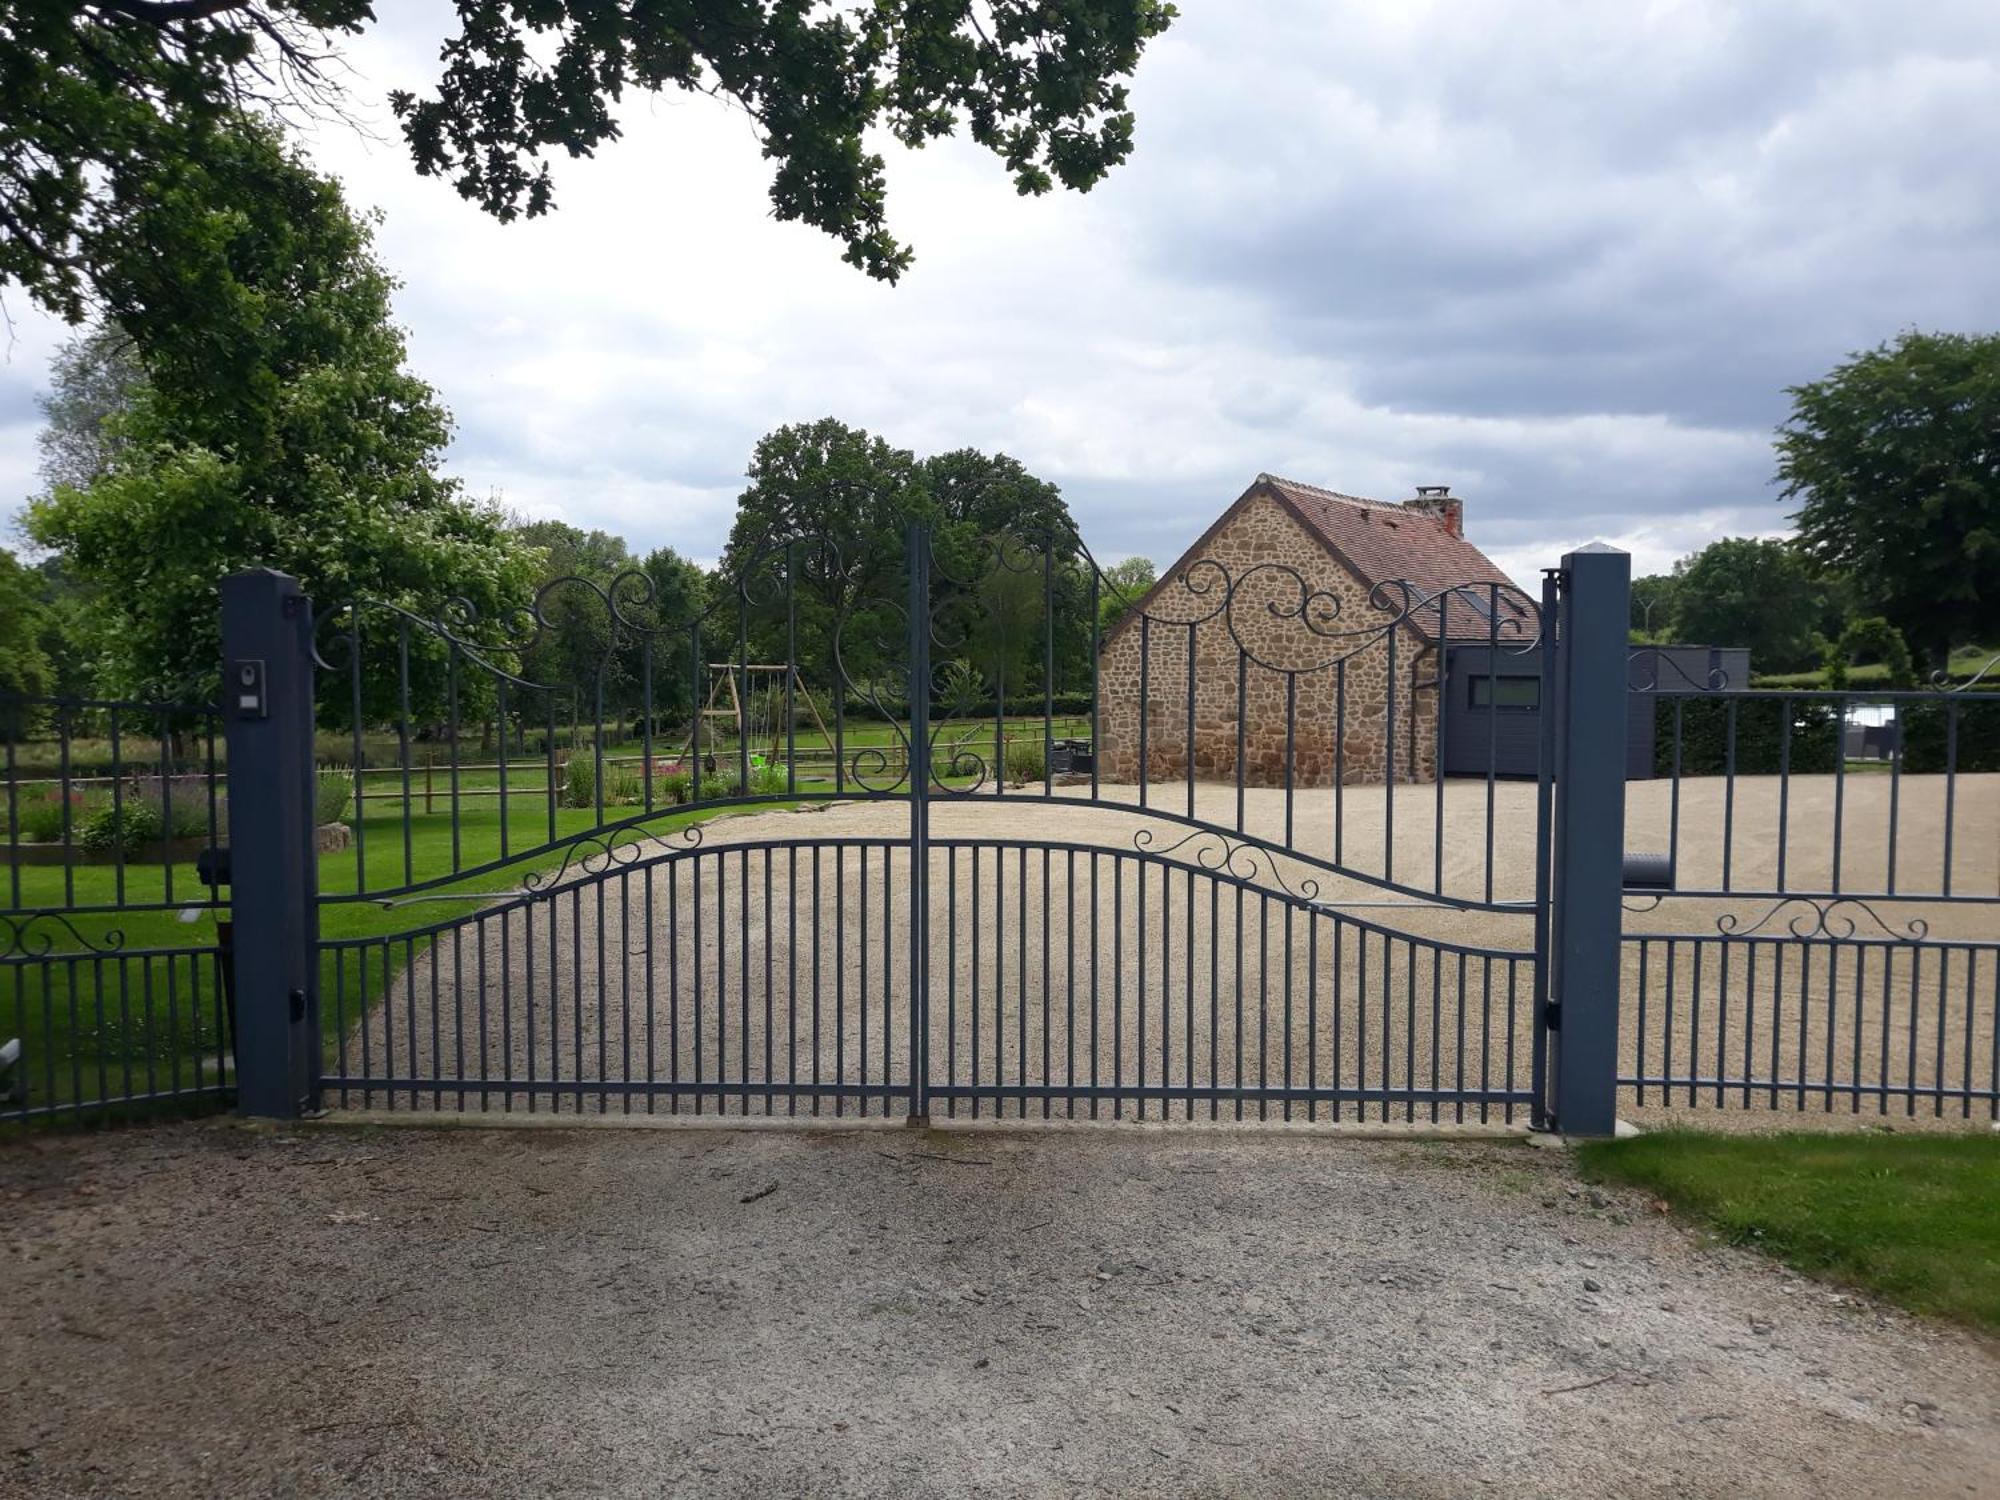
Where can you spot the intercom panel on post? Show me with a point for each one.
(246, 680)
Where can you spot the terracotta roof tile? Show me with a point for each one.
(1382, 542)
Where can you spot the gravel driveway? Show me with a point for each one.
(775, 964)
(215, 1309)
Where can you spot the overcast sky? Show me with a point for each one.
(1561, 255)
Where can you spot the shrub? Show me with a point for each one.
(130, 827)
(622, 786)
(331, 798)
(716, 786)
(1025, 761)
(1759, 750)
(768, 781)
(1926, 732)
(40, 817)
(675, 787)
(579, 788)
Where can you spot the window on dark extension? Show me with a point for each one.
(1505, 693)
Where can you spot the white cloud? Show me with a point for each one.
(1561, 257)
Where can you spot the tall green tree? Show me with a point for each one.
(99, 93)
(276, 425)
(25, 667)
(1125, 584)
(1754, 592)
(844, 500)
(1894, 459)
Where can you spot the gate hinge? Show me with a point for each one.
(1552, 1015)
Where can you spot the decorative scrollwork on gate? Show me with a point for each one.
(1219, 854)
(26, 935)
(599, 854)
(1643, 673)
(1817, 917)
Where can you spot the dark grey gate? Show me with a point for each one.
(542, 910)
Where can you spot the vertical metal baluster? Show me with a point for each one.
(1694, 1024)
(951, 979)
(1895, 792)
(791, 979)
(1236, 1079)
(1410, 1031)
(1291, 746)
(818, 930)
(1166, 991)
(861, 993)
(1096, 648)
(1361, 1022)
(1021, 982)
(1214, 997)
(1263, 1005)
(500, 685)
(118, 805)
(1722, 1025)
(1287, 909)
(1916, 996)
(1888, 1004)
(791, 692)
(1242, 715)
(1048, 905)
(1950, 800)
(1389, 767)
(1188, 744)
(1486, 1039)
(698, 964)
(1139, 983)
(403, 742)
(975, 987)
(451, 723)
(1785, 784)
(1667, 996)
(1492, 721)
(1117, 987)
(1048, 688)
(1842, 703)
(1971, 976)
(1069, 937)
(1937, 1074)
(1000, 980)
(1339, 757)
(1145, 705)
(1729, 793)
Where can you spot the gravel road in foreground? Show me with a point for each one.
(214, 1308)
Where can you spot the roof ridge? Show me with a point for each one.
(1321, 492)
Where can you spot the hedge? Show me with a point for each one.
(1704, 736)
(1925, 734)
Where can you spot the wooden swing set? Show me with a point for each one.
(753, 715)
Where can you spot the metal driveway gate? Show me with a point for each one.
(1184, 856)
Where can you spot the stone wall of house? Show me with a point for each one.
(1259, 652)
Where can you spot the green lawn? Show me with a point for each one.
(1965, 662)
(1912, 1218)
(84, 1024)
(123, 1022)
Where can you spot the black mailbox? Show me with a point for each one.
(1649, 872)
(211, 866)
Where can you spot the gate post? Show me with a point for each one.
(267, 704)
(1587, 911)
(919, 762)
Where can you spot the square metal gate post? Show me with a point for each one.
(1590, 837)
(267, 711)
(918, 551)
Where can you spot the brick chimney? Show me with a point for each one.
(1437, 500)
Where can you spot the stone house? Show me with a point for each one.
(1305, 627)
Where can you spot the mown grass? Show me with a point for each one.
(101, 1026)
(1963, 663)
(1912, 1218)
